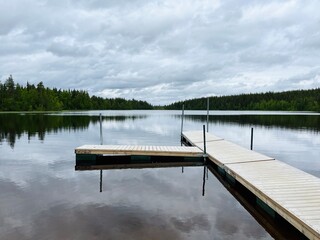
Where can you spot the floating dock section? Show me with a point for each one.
(278, 187)
(140, 150)
(92, 157)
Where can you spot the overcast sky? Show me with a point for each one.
(162, 51)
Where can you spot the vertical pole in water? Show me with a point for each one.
(208, 114)
(101, 138)
(204, 158)
(204, 140)
(182, 117)
(101, 142)
(100, 180)
(251, 147)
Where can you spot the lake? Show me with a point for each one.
(43, 197)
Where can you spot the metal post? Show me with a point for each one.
(182, 169)
(100, 180)
(204, 144)
(204, 140)
(101, 143)
(182, 117)
(251, 147)
(101, 138)
(208, 114)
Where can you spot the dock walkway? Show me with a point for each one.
(292, 193)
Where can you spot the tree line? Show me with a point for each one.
(14, 97)
(297, 100)
(289, 121)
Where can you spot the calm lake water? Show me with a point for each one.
(43, 197)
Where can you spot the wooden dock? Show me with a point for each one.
(93, 157)
(290, 192)
(172, 151)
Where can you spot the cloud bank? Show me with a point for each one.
(162, 51)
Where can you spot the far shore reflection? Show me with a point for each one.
(14, 125)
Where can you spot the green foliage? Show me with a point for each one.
(286, 121)
(298, 100)
(14, 97)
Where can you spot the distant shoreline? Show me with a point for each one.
(31, 98)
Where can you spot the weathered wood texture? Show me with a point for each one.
(292, 193)
(140, 150)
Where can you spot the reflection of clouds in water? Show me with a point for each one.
(297, 148)
(39, 185)
(190, 224)
(152, 130)
(235, 225)
(133, 203)
(149, 124)
(98, 222)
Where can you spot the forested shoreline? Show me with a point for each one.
(15, 97)
(297, 100)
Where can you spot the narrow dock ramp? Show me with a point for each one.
(292, 193)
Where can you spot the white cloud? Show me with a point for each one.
(162, 51)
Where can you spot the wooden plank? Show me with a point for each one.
(249, 174)
(140, 150)
(197, 137)
(226, 152)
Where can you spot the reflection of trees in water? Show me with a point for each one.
(13, 126)
(308, 122)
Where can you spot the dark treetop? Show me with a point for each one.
(298, 100)
(14, 97)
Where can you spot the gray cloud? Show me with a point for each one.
(161, 51)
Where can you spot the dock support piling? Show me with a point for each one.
(251, 146)
(100, 180)
(204, 144)
(208, 114)
(101, 143)
(101, 138)
(204, 139)
(182, 117)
